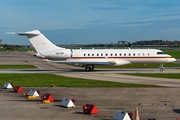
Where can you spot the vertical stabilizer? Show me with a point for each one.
(39, 41)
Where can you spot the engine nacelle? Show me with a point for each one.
(60, 54)
(121, 62)
(37, 55)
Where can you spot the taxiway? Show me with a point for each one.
(160, 103)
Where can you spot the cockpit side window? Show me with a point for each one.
(160, 53)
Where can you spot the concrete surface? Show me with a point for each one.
(161, 103)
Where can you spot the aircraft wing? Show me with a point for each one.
(95, 62)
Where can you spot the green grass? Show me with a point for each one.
(47, 80)
(97, 66)
(17, 50)
(157, 75)
(174, 53)
(17, 66)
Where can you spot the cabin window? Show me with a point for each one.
(120, 54)
(111, 54)
(92, 54)
(138, 54)
(148, 54)
(88, 54)
(101, 54)
(129, 54)
(116, 54)
(106, 54)
(97, 54)
(133, 54)
(143, 54)
(124, 54)
(84, 54)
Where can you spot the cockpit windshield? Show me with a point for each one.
(158, 53)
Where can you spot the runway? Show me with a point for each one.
(160, 103)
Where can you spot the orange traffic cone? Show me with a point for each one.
(136, 116)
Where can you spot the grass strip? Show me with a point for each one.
(47, 80)
(17, 66)
(157, 75)
(174, 53)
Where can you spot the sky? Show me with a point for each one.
(90, 21)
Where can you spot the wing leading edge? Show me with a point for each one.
(96, 62)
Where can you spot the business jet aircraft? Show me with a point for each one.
(91, 57)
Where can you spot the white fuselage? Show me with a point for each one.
(131, 55)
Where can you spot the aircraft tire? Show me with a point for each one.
(161, 69)
(87, 69)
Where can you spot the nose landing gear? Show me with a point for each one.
(161, 68)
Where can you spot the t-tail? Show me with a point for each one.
(39, 41)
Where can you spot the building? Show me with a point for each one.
(123, 42)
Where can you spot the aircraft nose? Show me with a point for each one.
(172, 60)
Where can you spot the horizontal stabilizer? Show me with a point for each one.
(34, 32)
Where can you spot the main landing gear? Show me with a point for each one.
(161, 68)
(89, 68)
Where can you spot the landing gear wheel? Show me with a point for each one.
(161, 69)
(87, 69)
(92, 68)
